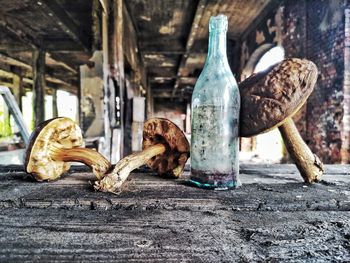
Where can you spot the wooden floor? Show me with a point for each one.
(273, 217)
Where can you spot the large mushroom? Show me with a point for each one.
(55, 143)
(165, 150)
(271, 98)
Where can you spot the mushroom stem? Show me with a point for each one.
(114, 180)
(309, 165)
(96, 161)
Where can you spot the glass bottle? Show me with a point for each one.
(215, 117)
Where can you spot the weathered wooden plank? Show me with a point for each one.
(39, 86)
(179, 236)
(274, 216)
(261, 191)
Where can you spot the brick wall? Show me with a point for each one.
(294, 44)
(325, 46)
(345, 152)
(315, 29)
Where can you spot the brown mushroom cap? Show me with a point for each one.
(62, 133)
(269, 97)
(172, 161)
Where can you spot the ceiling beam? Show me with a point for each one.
(52, 83)
(14, 62)
(19, 33)
(146, 52)
(259, 17)
(161, 80)
(6, 84)
(57, 81)
(18, 63)
(188, 81)
(14, 47)
(49, 44)
(50, 60)
(67, 24)
(169, 95)
(190, 40)
(52, 44)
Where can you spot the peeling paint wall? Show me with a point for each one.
(91, 101)
(314, 29)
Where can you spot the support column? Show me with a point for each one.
(54, 104)
(106, 144)
(39, 86)
(119, 62)
(18, 89)
(150, 102)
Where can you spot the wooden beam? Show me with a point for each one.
(190, 40)
(6, 74)
(24, 34)
(67, 24)
(106, 17)
(54, 104)
(146, 52)
(119, 61)
(162, 80)
(14, 47)
(6, 84)
(104, 5)
(29, 83)
(14, 62)
(19, 33)
(259, 17)
(131, 47)
(18, 89)
(188, 81)
(57, 81)
(55, 62)
(18, 63)
(39, 86)
(51, 44)
(96, 25)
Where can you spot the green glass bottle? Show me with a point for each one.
(215, 117)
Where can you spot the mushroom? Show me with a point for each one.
(271, 98)
(55, 143)
(165, 150)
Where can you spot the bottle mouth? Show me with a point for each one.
(218, 23)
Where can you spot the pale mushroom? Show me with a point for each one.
(55, 143)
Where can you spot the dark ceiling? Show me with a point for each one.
(63, 27)
(172, 37)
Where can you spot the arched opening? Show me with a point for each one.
(266, 147)
(271, 57)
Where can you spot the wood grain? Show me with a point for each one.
(274, 216)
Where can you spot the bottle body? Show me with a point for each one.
(215, 120)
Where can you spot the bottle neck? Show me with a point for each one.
(217, 44)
